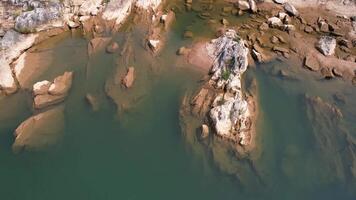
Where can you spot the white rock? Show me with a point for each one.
(243, 5)
(153, 44)
(327, 45)
(148, 4)
(275, 22)
(117, 10)
(41, 87)
(279, 1)
(291, 9)
(7, 81)
(89, 7)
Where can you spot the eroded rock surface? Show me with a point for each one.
(40, 131)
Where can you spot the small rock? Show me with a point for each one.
(243, 5)
(263, 27)
(275, 22)
(129, 79)
(308, 29)
(112, 47)
(323, 26)
(204, 131)
(279, 1)
(153, 44)
(280, 49)
(61, 84)
(253, 5)
(311, 63)
(183, 51)
(290, 9)
(224, 22)
(326, 73)
(274, 40)
(188, 34)
(288, 27)
(327, 45)
(337, 72)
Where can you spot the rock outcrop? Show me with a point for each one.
(230, 111)
(40, 131)
(47, 93)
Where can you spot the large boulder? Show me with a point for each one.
(40, 19)
(40, 131)
(326, 45)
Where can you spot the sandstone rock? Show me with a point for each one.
(288, 27)
(327, 45)
(279, 1)
(243, 5)
(308, 29)
(41, 87)
(253, 6)
(290, 9)
(46, 100)
(40, 131)
(275, 22)
(204, 131)
(311, 63)
(129, 79)
(337, 72)
(112, 47)
(61, 84)
(91, 99)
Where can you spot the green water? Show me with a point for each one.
(140, 153)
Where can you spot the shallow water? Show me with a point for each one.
(140, 153)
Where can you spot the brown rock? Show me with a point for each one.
(274, 40)
(280, 49)
(311, 63)
(61, 84)
(308, 29)
(111, 48)
(326, 73)
(129, 79)
(45, 100)
(204, 131)
(337, 72)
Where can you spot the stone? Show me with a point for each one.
(275, 22)
(46, 100)
(41, 87)
(279, 1)
(311, 63)
(274, 40)
(308, 29)
(323, 26)
(61, 84)
(288, 27)
(7, 81)
(112, 48)
(224, 22)
(290, 9)
(40, 131)
(188, 34)
(280, 49)
(263, 26)
(243, 5)
(326, 73)
(148, 4)
(40, 19)
(326, 45)
(129, 78)
(168, 19)
(93, 101)
(183, 51)
(204, 131)
(89, 7)
(154, 44)
(253, 6)
(117, 10)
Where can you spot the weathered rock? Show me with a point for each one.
(280, 49)
(40, 19)
(311, 63)
(263, 26)
(41, 87)
(275, 22)
(61, 84)
(323, 26)
(274, 40)
(243, 5)
(96, 44)
(204, 131)
(129, 78)
(89, 7)
(46, 100)
(148, 4)
(40, 131)
(167, 19)
(279, 1)
(290, 9)
(327, 45)
(117, 10)
(112, 47)
(253, 6)
(92, 100)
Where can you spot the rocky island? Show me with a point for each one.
(259, 90)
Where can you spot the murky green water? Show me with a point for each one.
(140, 153)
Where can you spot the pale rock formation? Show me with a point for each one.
(326, 45)
(230, 113)
(7, 81)
(40, 19)
(40, 131)
(117, 10)
(41, 87)
(89, 7)
(275, 22)
(243, 5)
(148, 4)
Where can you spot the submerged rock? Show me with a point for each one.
(326, 45)
(112, 47)
(93, 101)
(40, 131)
(129, 78)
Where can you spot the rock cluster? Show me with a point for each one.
(50, 93)
(230, 111)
